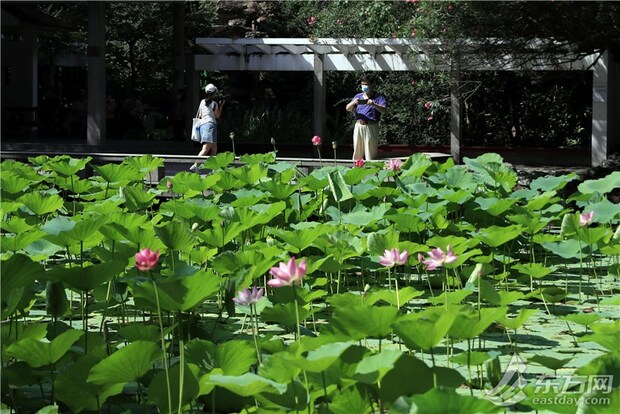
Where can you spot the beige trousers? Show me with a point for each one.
(365, 141)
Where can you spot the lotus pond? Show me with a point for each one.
(257, 287)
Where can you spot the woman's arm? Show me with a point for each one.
(218, 109)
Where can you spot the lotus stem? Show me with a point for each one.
(163, 344)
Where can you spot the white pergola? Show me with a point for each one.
(388, 54)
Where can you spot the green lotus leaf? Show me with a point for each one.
(40, 204)
(284, 313)
(75, 185)
(539, 202)
(127, 364)
(451, 298)
(364, 321)
(459, 197)
(17, 273)
(67, 166)
(457, 178)
(495, 236)
(221, 234)
(339, 188)
(602, 185)
(180, 293)
(136, 199)
(364, 218)
(373, 368)
(20, 240)
(340, 244)
(535, 270)
(350, 400)
(120, 224)
(16, 225)
(278, 190)
(353, 176)
(321, 358)
(446, 400)
(416, 165)
(118, 174)
(86, 228)
(175, 235)
(12, 184)
(145, 163)
(38, 353)
(56, 302)
(232, 357)
(194, 210)
(605, 334)
(567, 249)
(248, 197)
(221, 160)
(412, 376)
(426, 331)
(520, 319)
(471, 325)
(406, 223)
(378, 242)
(532, 222)
(389, 296)
(183, 384)
(552, 182)
(247, 385)
(249, 174)
(550, 362)
(494, 206)
(267, 158)
(606, 364)
(472, 358)
(605, 211)
(72, 388)
(298, 240)
(258, 214)
(584, 319)
(87, 278)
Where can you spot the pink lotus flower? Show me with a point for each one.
(316, 140)
(393, 257)
(430, 118)
(394, 164)
(586, 218)
(311, 21)
(437, 258)
(146, 259)
(288, 274)
(247, 297)
(428, 104)
(359, 163)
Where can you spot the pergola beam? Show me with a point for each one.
(331, 54)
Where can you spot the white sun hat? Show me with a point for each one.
(210, 88)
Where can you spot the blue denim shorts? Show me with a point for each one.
(208, 133)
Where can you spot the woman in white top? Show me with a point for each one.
(209, 111)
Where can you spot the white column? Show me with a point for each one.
(600, 78)
(95, 133)
(319, 96)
